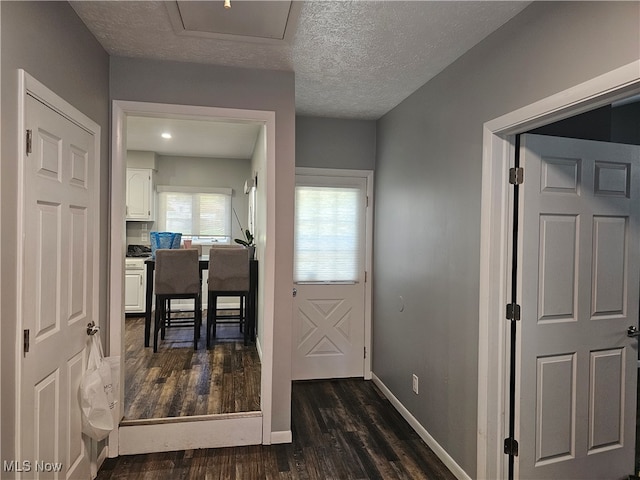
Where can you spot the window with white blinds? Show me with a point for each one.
(329, 234)
(195, 212)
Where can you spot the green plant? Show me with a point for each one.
(247, 241)
(248, 236)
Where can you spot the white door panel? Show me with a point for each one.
(579, 284)
(329, 331)
(57, 302)
(330, 251)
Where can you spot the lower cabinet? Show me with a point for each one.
(134, 286)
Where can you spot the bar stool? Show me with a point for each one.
(228, 277)
(177, 275)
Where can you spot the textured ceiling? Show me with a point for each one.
(352, 59)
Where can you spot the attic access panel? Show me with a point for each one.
(262, 21)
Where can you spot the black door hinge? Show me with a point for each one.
(511, 446)
(28, 141)
(25, 342)
(516, 175)
(513, 311)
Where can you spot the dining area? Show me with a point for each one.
(174, 274)
(212, 202)
(200, 359)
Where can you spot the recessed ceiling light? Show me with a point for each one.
(166, 135)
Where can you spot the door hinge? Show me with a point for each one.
(28, 140)
(365, 277)
(367, 202)
(365, 352)
(513, 311)
(516, 175)
(511, 446)
(25, 339)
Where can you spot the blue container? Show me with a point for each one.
(164, 240)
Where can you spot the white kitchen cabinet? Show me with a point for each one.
(140, 194)
(134, 285)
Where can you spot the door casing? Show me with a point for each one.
(368, 258)
(120, 110)
(495, 248)
(28, 85)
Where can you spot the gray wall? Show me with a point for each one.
(335, 143)
(39, 37)
(259, 170)
(196, 84)
(428, 191)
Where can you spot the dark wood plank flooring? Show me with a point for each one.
(342, 429)
(180, 381)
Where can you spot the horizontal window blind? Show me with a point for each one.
(195, 213)
(328, 234)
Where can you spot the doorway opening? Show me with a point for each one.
(332, 297)
(201, 431)
(495, 257)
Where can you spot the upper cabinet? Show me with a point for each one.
(140, 194)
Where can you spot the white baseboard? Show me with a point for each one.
(98, 455)
(102, 456)
(441, 453)
(281, 437)
(186, 433)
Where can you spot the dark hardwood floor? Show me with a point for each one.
(180, 381)
(342, 429)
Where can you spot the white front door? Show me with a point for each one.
(580, 264)
(58, 299)
(329, 276)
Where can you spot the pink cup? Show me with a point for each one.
(187, 243)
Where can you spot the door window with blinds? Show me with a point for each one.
(196, 212)
(329, 229)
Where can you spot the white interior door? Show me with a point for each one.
(579, 287)
(57, 292)
(329, 275)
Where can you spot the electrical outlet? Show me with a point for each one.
(415, 384)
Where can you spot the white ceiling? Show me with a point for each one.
(193, 138)
(352, 59)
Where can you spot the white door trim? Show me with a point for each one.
(29, 86)
(368, 261)
(1, 383)
(120, 110)
(495, 248)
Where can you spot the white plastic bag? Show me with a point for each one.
(96, 394)
(114, 364)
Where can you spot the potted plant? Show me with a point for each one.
(248, 240)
